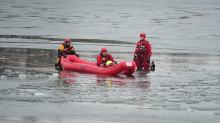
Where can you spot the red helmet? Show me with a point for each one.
(143, 34)
(103, 50)
(67, 40)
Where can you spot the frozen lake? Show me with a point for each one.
(185, 38)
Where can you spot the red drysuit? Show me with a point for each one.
(142, 54)
(102, 59)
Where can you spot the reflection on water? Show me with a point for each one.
(105, 89)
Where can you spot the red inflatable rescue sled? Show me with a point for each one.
(73, 63)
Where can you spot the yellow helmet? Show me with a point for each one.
(109, 62)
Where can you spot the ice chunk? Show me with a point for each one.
(39, 94)
(3, 77)
(55, 75)
(22, 76)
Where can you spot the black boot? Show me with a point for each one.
(152, 68)
(58, 67)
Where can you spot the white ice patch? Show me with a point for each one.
(22, 76)
(39, 94)
(54, 75)
(3, 77)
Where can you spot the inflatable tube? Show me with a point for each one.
(73, 63)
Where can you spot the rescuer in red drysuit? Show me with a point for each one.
(143, 53)
(103, 57)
